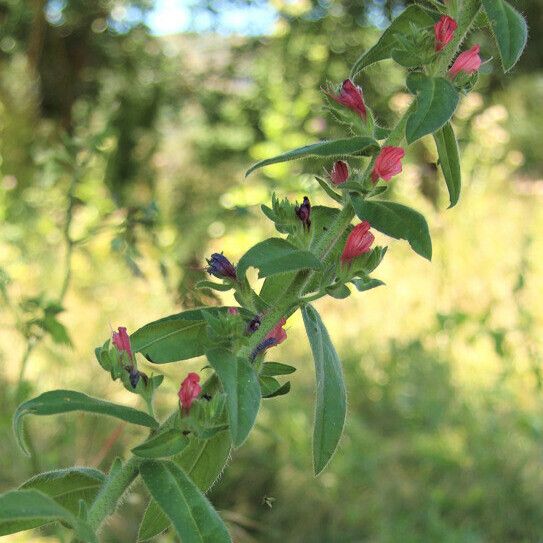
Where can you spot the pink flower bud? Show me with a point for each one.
(351, 97)
(358, 242)
(121, 340)
(233, 311)
(339, 173)
(468, 62)
(388, 163)
(444, 31)
(188, 392)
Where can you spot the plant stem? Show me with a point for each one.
(119, 479)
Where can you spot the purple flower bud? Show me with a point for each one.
(134, 377)
(303, 212)
(221, 267)
(253, 325)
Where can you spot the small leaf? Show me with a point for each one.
(240, 383)
(328, 189)
(271, 387)
(412, 16)
(359, 145)
(276, 255)
(366, 283)
(213, 286)
(449, 160)
(435, 104)
(65, 401)
(191, 514)
(203, 461)
(272, 369)
(510, 30)
(331, 401)
(164, 444)
(397, 221)
(24, 509)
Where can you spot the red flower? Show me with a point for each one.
(444, 31)
(121, 340)
(388, 163)
(468, 62)
(358, 242)
(339, 173)
(188, 392)
(351, 97)
(278, 334)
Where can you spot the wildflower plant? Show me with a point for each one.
(318, 253)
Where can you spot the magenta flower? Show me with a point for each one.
(358, 242)
(444, 31)
(277, 334)
(303, 212)
(351, 97)
(121, 340)
(388, 163)
(188, 391)
(468, 62)
(339, 173)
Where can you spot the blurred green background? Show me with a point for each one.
(125, 128)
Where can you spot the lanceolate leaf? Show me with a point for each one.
(203, 461)
(397, 221)
(449, 160)
(412, 16)
(240, 383)
(64, 401)
(331, 402)
(272, 369)
(68, 486)
(24, 509)
(435, 104)
(177, 337)
(191, 514)
(164, 444)
(359, 145)
(276, 255)
(271, 387)
(509, 28)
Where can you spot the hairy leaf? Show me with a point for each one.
(435, 104)
(65, 401)
(449, 160)
(509, 28)
(397, 221)
(358, 145)
(191, 514)
(164, 444)
(331, 401)
(240, 383)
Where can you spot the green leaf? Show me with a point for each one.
(191, 514)
(331, 400)
(174, 338)
(213, 286)
(24, 509)
(240, 383)
(359, 145)
(397, 221)
(510, 30)
(272, 369)
(271, 387)
(412, 16)
(68, 486)
(64, 401)
(449, 160)
(276, 255)
(435, 104)
(203, 461)
(168, 443)
(328, 189)
(366, 283)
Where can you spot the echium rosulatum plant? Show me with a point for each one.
(320, 251)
